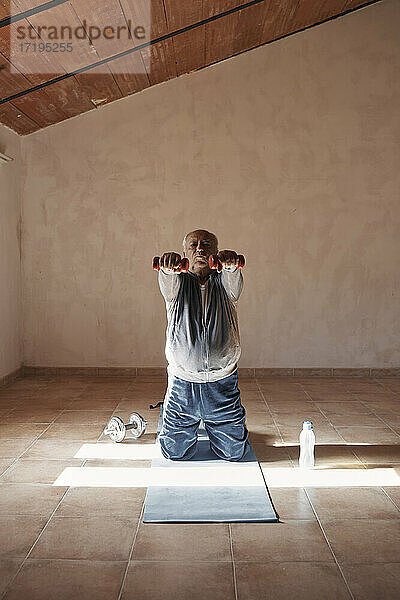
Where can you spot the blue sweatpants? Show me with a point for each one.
(218, 404)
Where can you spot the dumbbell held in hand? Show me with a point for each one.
(216, 261)
(171, 261)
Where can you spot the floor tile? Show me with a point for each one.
(7, 394)
(18, 533)
(371, 435)
(191, 542)
(287, 407)
(8, 569)
(13, 396)
(250, 393)
(84, 403)
(16, 430)
(5, 463)
(29, 499)
(394, 492)
(7, 406)
(259, 419)
(143, 395)
(374, 395)
(378, 454)
(290, 580)
(62, 386)
(333, 398)
(37, 471)
(292, 540)
(53, 449)
(87, 502)
(389, 417)
(358, 541)
(391, 383)
(330, 383)
(271, 383)
(363, 419)
(51, 393)
(13, 448)
(61, 382)
(266, 468)
(32, 415)
(102, 395)
(73, 431)
(343, 408)
(45, 404)
(67, 580)
(4, 412)
(264, 436)
(89, 538)
(384, 405)
(30, 381)
(296, 420)
(291, 503)
(84, 417)
(268, 455)
(268, 432)
(144, 402)
(350, 503)
(374, 581)
(280, 396)
(363, 385)
(257, 411)
(179, 581)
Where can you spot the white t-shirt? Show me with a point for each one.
(204, 292)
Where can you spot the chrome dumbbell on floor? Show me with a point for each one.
(117, 429)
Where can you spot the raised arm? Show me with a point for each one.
(231, 275)
(169, 285)
(169, 278)
(232, 282)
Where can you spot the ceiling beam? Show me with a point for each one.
(28, 13)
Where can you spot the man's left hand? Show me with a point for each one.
(229, 259)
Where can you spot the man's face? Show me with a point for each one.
(199, 246)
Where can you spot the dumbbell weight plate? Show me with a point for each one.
(138, 425)
(115, 429)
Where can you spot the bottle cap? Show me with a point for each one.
(307, 425)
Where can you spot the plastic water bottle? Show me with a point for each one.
(307, 443)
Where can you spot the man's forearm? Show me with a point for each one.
(169, 285)
(232, 282)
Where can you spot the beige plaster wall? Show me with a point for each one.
(289, 153)
(10, 250)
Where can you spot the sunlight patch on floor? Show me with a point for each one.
(328, 477)
(213, 476)
(119, 451)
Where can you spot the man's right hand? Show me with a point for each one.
(170, 262)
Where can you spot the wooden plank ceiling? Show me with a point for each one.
(40, 88)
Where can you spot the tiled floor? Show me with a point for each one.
(334, 540)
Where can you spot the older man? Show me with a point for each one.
(202, 350)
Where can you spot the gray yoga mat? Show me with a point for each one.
(205, 489)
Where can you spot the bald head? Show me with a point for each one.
(201, 234)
